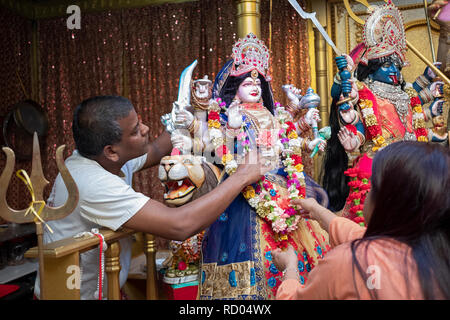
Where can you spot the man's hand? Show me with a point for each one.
(253, 166)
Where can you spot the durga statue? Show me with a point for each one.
(219, 124)
(373, 106)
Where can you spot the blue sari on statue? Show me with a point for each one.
(236, 249)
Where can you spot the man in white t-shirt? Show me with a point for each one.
(112, 143)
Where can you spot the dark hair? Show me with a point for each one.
(95, 123)
(232, 84)
(335, 163)
(411, 204)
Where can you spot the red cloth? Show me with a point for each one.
(6, 289)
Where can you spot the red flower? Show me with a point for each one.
(213, 115)
(365, 186)
(358, 219)
(421, 132)
(354, 184)
(374, 131)
(302, 191)
(415, 101)
(297, 159)
(352, 172)
(291, 126)
(355, 209)
(182, 266)
(351, 128)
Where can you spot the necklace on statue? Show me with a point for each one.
(398, 98)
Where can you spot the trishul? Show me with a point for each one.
(38, 182)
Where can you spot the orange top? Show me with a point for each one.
(390, 270)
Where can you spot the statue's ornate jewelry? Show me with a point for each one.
(403, 103)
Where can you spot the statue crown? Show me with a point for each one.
(250, 53)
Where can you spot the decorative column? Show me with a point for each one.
(150, 252)
(248, 17)
(321, 77)
(112, 269)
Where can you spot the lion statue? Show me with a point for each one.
(185, 178)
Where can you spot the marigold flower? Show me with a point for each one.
(227, 158)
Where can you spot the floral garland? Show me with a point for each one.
(374, 128)
(263, 197)
(215, 135)
(359, 187)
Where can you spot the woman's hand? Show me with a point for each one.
(310, 209)
(287, 261)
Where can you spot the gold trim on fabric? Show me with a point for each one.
(217, 284)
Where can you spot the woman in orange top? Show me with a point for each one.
(405, 251)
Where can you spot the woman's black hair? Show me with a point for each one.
(232, 84)
(411, 204)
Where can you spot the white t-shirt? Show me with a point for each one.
(105, 200)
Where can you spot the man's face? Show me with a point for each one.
(135, 139)
(250, 90)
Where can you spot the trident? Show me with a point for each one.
(37, 183)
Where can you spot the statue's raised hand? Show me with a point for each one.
(183, 118)
(437, 89)
(293, 94)
(320, 143)
(181, 141)
(429, 73)
(312, 117)
(348, 139)
(436, 108)
(234, 115)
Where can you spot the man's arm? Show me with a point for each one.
(159, 148)
(185, 221)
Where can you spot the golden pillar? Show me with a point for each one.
(321, 77)
(248, 17)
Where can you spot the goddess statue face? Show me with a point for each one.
(389, 73)
(250, 90)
